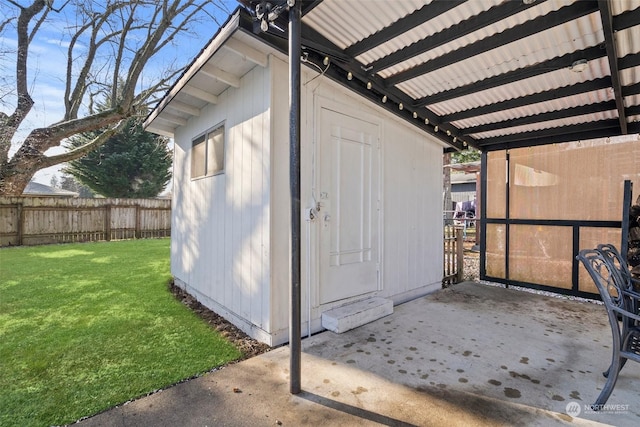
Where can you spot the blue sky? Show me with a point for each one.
(47, 65)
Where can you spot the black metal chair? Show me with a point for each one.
(621, 302)
(620, 265)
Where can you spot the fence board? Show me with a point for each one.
(43, 220)
(453, 255)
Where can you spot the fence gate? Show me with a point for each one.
(453, 255)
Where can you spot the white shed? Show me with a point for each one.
(371, 191)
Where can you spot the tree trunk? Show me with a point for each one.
(15, 176)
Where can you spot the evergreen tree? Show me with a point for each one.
(131, 164)
(69, 183)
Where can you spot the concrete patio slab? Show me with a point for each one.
(470, 355)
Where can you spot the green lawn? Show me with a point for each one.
(84, 327)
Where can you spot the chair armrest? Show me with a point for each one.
(626, 313)
(632, 293)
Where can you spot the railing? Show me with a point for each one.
(453, 255)
(45, 220)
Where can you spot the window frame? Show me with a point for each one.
(208, 139)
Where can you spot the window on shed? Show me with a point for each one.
(207, 154)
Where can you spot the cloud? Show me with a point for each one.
(62, 43)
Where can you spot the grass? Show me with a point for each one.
(84, 327)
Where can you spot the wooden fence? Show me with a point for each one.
(44, 220)
(453, 255)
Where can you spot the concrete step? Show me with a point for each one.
(350, 316)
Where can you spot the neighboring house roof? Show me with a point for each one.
(469, 167)
(490, 74)
(463, 178)
(37, 189)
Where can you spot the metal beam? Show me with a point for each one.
(633, 111)
(414, 19)
(629, 61)
(633, 89)
(534, 142)
(295, 328)
(543, 117)
(590, 53)
(468, 26)
(338, 69)
(625, 20)
(612, 56)
(576, 89)
(528, 28)
(563, 133)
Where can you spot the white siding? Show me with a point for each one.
(280, 201)
(412, 213)
(411, 192)
(231, 232)
(220, 248)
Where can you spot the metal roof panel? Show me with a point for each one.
(549, 124)
(346, 22)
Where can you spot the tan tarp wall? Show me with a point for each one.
(578, 182)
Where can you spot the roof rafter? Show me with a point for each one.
(246, 52)
(220, 75)
(543, 117)
(316, 46)
(633, 89)
(489, 17)
(579, 132)
(626, 20)
(612, 56)
(564, 61)
(567, 131)
(633, 111)
(200, 94)
(534, 26)
(419, 17)
(578, 88)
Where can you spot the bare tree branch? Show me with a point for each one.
(111, 45)
(9, 123)
(74, 101)
(76, 153)
(6, 22)
(39, 23)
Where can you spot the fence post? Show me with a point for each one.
(20, 222)
(138, 232)
(459, 254)
(107, 223)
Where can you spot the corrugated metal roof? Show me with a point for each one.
(491, 52)
(492, 73)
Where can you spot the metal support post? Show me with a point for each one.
(295, 51)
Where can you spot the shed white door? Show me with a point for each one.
(349, 212)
